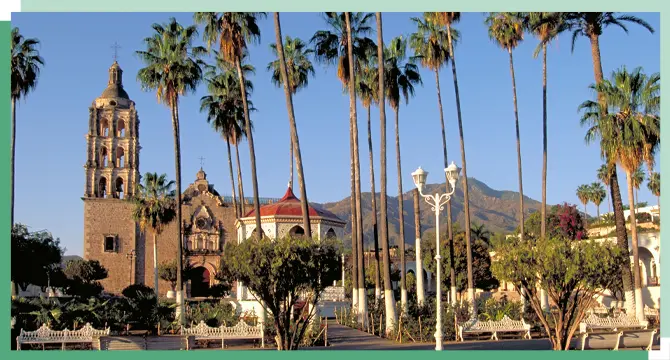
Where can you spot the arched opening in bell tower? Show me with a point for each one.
(120, 157)
(119, 188)
(121, 129)
(102, 187)
(104, 157)
(104, 127)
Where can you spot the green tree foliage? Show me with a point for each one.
(82, 278)
(279, 273)
(573, 273)
(36, 256)
(167, 271)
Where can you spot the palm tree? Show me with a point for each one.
(638, 179)
(401, 76)
(629, 136)
(290, 87)
(584, 196)
(603, 175)
(299, 69)
(591, 26)
(431, 44)
(367, 90)
(332, 46)
(597, 195)
(448, 19)
(506, 29)
(225, 111)
(389, 301)
(26, 64)
(546, 26)
(654, 185)
(481, 233)
(173, 68)
(233, 31)
(154, 209)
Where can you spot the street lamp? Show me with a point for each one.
(437, 203)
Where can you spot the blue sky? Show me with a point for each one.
(52, 122)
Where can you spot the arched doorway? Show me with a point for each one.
(296, 231)
(200, 282)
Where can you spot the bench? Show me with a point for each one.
(614, 332)
(241, 330)
(506, 324)
(45, 335)
(614, 323)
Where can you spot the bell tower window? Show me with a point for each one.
(120, 157)
(102, 188)
(119, 187)
(121, 129)
(104, 127)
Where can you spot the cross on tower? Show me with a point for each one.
(116, 48)
(202, 161)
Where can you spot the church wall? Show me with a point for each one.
(103, 217)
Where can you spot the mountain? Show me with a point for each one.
(495, 209)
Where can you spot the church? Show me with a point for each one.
(111, 235)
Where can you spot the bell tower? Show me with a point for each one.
(112, 165)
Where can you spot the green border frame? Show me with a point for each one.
(309, 6)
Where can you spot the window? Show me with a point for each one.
(110, 243)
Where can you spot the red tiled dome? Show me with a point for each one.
(289, 205)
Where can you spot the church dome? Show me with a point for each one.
(289, 205)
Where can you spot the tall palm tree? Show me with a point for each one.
(26, 64)
(289, 89)
(597, 195)
(584, 196)
(431, 45)
(401, 76)
(332, 47)
(591, 25)
(154, 210)
(629, 136)
(173, 68)
(367, 90)
(389, 301)
(225, 112)
(638, 179)
(654, 185)
(603, 175)
(299, 68)
(506, 29)
(233, 31)
(448, 19)
(546, 26)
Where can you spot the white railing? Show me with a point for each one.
(241, 330)
(333, 293)
(45, 335)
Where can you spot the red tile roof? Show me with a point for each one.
(289, 205)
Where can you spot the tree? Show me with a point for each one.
(597, 194)
(173, 68)
(572, 273)
(34, 257)
(431, 45)
(591, 25)
(233, 31)
(83, 278)
(448, 19)
(584, 195)
(546, 26)
(167, 271)
(654, 185)
(225, 112)
(603, 175)
(26, 64)
(401, 76)
(154, 210)
(629, 135)
(563, 221)
(299, 68)
(297, 268)
(389, 301)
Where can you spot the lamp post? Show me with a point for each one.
(437, 203)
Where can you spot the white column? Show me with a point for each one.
(544, 300)
(420, 291)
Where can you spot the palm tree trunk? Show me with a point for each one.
(354, 223)
(518, 143)
(543, 209)
(466, 196)
(374, 212)
(637, 280)
(362, 301)
(240, 187)
(389, 301)
(232, 179)
(13, 166)
(615, 192)
(180, 241)
(420, 290)
(156, 266)
(450, 230)
(290, 179)
(294, 132)
(401, 215)
(252, 152)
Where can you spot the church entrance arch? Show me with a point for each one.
(200, 280)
